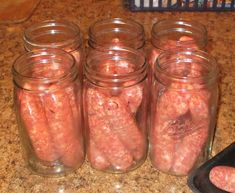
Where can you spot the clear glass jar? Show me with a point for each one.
(175, 33)
(115, 103)
(56, 34)
(47, 98)
(116, 32)
(183, 110)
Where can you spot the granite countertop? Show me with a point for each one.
(16, 178)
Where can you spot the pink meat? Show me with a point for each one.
(190, 40)
(191, 146)
(223, 177)
(63, 127)
(180, 129)
(96, 157)
(124, 126)
(162, 146)
(75, 100)
(35, 121)
(172, 104)
(196, 134)
(102, 134)
(199, 105)
(132, 97)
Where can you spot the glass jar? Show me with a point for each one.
(115, 103)
(56, 34)
(183, 110)
(175, 33)
(116, 32)
(47, 98)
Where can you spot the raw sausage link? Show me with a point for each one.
(132, 97)
(96, 157)
(124, 126)
(188, 150)
(63, 127)
(180, 131)
(162, 146)
(75, 105)
(223, 177)
(34, 119)
(102, 134)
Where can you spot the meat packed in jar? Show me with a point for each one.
(183, 110)
(47, 95)
(59, 34)
(115, 104)
(175, 33)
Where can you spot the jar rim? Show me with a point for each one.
(116, 54)
(74, 29)
(195, 27)
(213, 70)
(138, 32)
(40, 53)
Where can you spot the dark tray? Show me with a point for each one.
(199, 181)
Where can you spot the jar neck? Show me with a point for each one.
(44, 70)
(116, 31)
(53, 34)
(116, 68)
(186, 69)
(170, 34)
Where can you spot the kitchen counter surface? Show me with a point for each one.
(14, 175)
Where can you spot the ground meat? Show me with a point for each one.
(36, 124)
(115, 140)
(178, 135)
(63, 127)
(101, 132)
(132, 97)
(180, 128)
(96, 157)
(223, 177)
(170, 44)
(60, 113)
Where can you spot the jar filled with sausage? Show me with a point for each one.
(47, 97)
(183, 110)
(56, 34)
(115, 102)
(116, 32)
(175, 33)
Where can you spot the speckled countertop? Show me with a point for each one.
(16, 178)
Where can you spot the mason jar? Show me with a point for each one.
(175, 33)
(60, 34)
(115, 104)
(47, 100)
(183, 111)
(116, 32)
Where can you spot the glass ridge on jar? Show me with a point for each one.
(116, 32)
(175, 33)
(115, 104)
(47, 100)
(60, 34)
(183, 111)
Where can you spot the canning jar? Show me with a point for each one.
(116, 32)
(47, 98)
(183, 110)
(175, 33)
(56, 34)
(115, 103)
